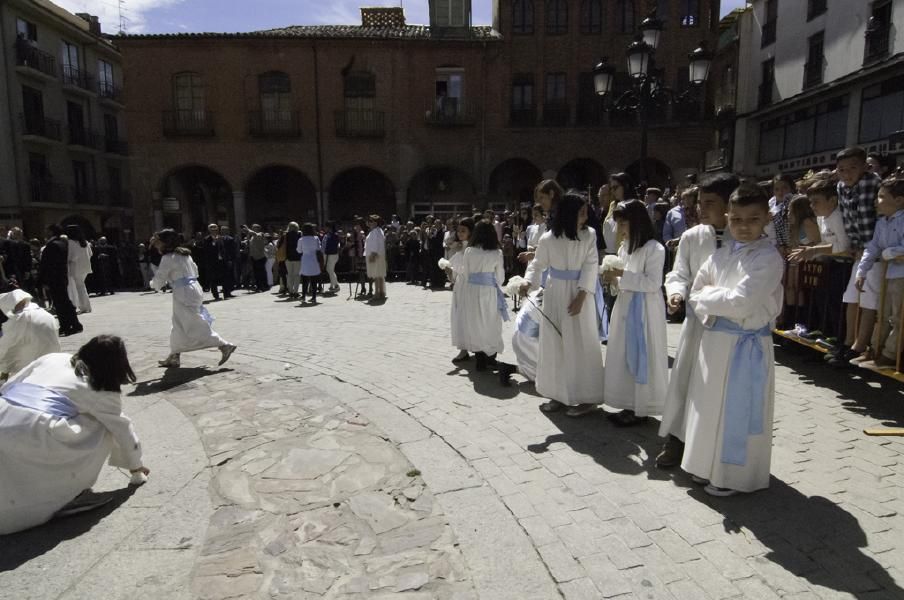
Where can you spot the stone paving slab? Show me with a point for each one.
(541, 506)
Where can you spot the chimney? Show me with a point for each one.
(392, 17)
(93, 22)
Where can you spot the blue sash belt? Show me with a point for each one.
(636, 339)
(187, 281)
(599, 300)
(489, 279)
(746, 391)
(39, 398)
(527, 326)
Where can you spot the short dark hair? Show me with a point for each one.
(171, 242)
(484, 236)
(785, 178)
(640, 226)
(721, 184)
(104, 362)
(851, 152)
(624, 180)
(894, 183)
(55, 229)
(887, 161)
(565, 217)
(824, 183)
(307, 229)
(469, 223)
(749, 194)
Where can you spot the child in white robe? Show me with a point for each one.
(60, 420)
(696, 245)
(30, 333)
(463, 233)
(570, 359)
(637, 361)
(375, 251)
(737, 295)
(191, 322)
(478, 304)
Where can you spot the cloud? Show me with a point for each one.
(108, 11)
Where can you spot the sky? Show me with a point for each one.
(175, 16)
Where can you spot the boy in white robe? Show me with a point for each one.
(30, 333)
(694, 248)
(736, 296)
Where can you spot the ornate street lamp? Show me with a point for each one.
(648, 89)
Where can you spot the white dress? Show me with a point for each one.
(27, 335)
(643, 275)
(526, 339)
(570, 358)
(375, 242)
(476, 322)
(79, 265)
(191, 322)
(696, 245)
(45, 460)
(745, 287)
(534, 232)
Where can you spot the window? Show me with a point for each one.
(33, 107)
(556, 17)
(70, 55)
(877, 30)
(663, 11)
(772, 136)
(767, 82)
(555, 88)
(114, 179)
(591, 16)
(275, 95)
(624, 16)
(523, 16)
(799, 134)
(831, 124)
(589, 104)
(80, 181)
(75, 118)
(27, 29)
(449, 92)
(450, 13)
(188, 92)
(882, 110)
(813, 129)
(105, 74)
(769, 23)
(815, 59)
(690, 13)
(523, 112)
(111, 127)
(815, 8)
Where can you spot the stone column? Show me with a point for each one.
(238, 209)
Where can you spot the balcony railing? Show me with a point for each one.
(523, 117)
(109, 91)
(188, 123)
(716, 159)
(877, 43)
(84, 195)
(590, 115)
(80, 136)
(812, 74)
(451, 112)
(556, 114)
(77, 77)
(33, 124)
(360, 123)
(115, 146)
(44, 190)
(31, 57)
(276, 123)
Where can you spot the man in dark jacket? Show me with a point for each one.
(54, 274)
(230, 261)
(212, 265)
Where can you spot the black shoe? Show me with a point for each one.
(481, 359)
(836, 351)
(462, 357)
(505, 374)
(76, 329)
(843, 360)
(671, 454)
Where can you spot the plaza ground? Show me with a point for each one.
(340, 454)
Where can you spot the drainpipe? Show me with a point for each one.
(320, 191)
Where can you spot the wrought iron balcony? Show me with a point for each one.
(197, 123)
(109, 91)
(360, 123)
(84, 195)
(523, 117)
(76, 77)
(877, 42)
(556, 114)
(34, 124)
(451, 112)
(81, 136)
(31, 57)
(275, 123)
(42, 189)
(115, 146)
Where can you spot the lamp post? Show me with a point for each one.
(647, 83)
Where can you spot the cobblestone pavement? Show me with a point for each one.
(348, 457)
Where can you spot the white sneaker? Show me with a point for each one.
(171, 361)
(227, 351)
(719, 492)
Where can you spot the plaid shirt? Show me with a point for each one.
(858, 209)
(779, 210)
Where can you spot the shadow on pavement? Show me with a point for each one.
(859, 390)
(486, 383)
(173, 378)
(808, 536)
(19, 548)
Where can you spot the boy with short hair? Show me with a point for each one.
(888, 245)
(737, 295)
(696, 245)
(822, 191)
(857, 192)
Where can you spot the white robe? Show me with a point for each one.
(79, 266)
(191, 331)
(27, 335)
(525, 344)
(570, 360)
(744, 287)
(375, 243)
(696, 245)
(46, 461)
(476, 322)
(643, 275)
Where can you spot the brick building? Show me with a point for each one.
(325, 122)
(63, 155)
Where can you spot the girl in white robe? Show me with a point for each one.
(30, 333)
(60, 420)
(79, 265)
(478, 304)
(455, 265)
(570, 359)
(191, 322)
(375, 251)
(737, 295)
(637, 362)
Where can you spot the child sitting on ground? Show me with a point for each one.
(30, 333)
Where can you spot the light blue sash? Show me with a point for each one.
(39, 398)
(746, 391)
(527, 326)
(599, 300)
(636, 339)
(489, 279)
(184, 282)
